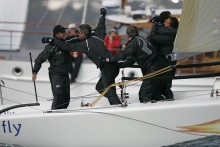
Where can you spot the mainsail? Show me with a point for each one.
(199, 29)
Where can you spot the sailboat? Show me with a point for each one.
(192, 115)
(18, 72)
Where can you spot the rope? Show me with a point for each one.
(179, 77)
(25, 92)
(187, 65)
(163, 70)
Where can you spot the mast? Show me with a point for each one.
(84, 12)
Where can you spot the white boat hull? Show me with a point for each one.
(151, 124)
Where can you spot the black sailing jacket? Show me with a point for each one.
(164, 38)
(92, 46)
(133, 49)
(60, 61)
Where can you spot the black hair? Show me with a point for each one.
(86, 29)
(132, 31)
(174, 23)
(164, 15)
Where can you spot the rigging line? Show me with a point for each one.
(158, 72)
(71, 101)
(190, 95)
(61, 13)
(181, 61)
(129, 118)
(95, 101)
(141, 78)
(22, 104)
(84, 83)
(42, 18)
(111, 106)
(25, 92)
(93, 93)
(140, 81)
(79, 85)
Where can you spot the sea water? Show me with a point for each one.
(10, 145)
(209, 141)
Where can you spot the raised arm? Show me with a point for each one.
(100, 30)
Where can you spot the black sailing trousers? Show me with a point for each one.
(151, 89)
(166, 88)
(60, 85)
(109, 72)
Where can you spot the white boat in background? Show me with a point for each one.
(193, 114)
(21, 8)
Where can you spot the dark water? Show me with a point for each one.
(10, 145)
(209, 141)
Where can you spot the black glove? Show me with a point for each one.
(154, 19)
(159, 24)
(46, 40)
(103, 11)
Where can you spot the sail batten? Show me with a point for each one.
(199, 29)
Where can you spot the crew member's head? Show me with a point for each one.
(171, 22)
(113, 32)
(132, 31)
(164, 16)
(85, 31)
(72, 30)
(60, 32)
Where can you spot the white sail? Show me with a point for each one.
(11, 40)
(199, 29)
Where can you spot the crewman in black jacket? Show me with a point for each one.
(147, 58)
(165, 38)
(93, 46)
(60, 65)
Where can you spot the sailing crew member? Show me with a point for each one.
(58, 71)
(113, 41)
(165, 37)
(76, 57)
(147, 59)
(93, 46)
